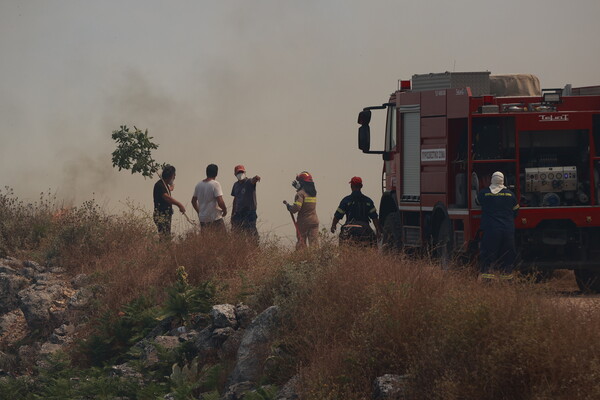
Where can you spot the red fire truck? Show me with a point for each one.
(447, 133)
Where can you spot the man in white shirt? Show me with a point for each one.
(208, 200)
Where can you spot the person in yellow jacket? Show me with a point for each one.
(305, 204)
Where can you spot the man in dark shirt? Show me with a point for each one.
(243, 191)
(359, 210)
(163, 201)
(499, 209)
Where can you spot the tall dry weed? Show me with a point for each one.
(369, 315)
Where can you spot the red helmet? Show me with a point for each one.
(238, 168)
(304, 177)
(356, 181)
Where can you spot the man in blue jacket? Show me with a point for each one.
(359, 210)
(499, 208)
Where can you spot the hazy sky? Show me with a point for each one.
(275, 85)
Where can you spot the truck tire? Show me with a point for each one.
(392, 233)
(588, 280)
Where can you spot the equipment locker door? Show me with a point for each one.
(411, 153)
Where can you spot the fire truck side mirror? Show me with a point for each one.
(387, 156)
(364, 117)
(364, 138)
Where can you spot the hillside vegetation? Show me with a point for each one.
(349, 315)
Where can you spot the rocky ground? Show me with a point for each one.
(41, 307)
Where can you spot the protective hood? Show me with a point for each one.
(497, 182)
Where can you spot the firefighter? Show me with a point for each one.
(305, 204)
(359, 210)
(499, 209)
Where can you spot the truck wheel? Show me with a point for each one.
(392, 233)
(588, 280)
(442, 243)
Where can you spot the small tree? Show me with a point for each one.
(134, 152)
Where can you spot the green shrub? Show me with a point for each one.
(115, 334)
(184, 299)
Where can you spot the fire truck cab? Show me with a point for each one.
(447, 133)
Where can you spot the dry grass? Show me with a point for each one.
(350, 314)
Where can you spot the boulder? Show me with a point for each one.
(223, 316)
(254, 347)
(81, 280)
(39, 307)
(390, 387)
(244, 315)
(62, 335)
(230, 347)
(149, 351)
(83, 297)
(5, 268)
(238, 390)
(32, 264)
(167, 342)
(13, 328)
(127, 372)
(10, 286)
(27, 356)
(289, 391)
(208, 341)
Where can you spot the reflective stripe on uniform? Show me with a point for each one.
(488, 276)
(516, 207)
(310, 199)
(373, 210)
(339, 210)
(506, 277)
(298, 203)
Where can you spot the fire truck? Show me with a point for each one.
(447, 133)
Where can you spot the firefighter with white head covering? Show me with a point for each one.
(499, 208)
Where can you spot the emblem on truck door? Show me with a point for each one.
(550, 118)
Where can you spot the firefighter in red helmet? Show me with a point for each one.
(305, 204)
(359, 211)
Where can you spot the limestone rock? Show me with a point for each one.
(82, 297)
(10, 285)
(127, 371)
(390, 387)
(223, 316)
(13, 328)
(230, 347)
(149, 350)
(289, 391)
(254, 347)
(81, 280)
(32, 264)
(209, 341)
(5, 268)
(237, 391)
(27, 356)
(41, 305)
(244, 315)
(167, 342)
